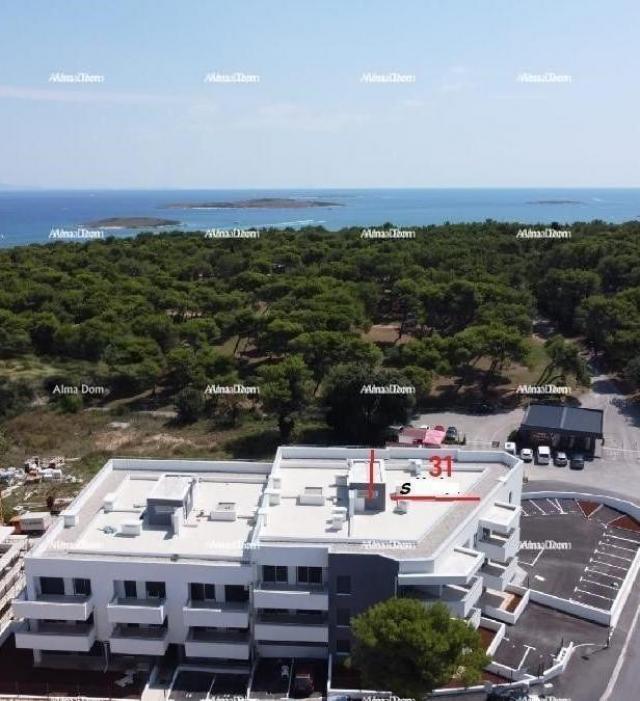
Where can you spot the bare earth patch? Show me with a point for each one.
(588, 507)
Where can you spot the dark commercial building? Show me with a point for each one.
(562, 427)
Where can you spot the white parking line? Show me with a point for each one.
(556, 508)
(627, 540)
(542, 511)
(618, 557)
(600, 596)
(608, 564)
(618, 547)
(597, 584)
(557, 503)
(604, 574)
(524, 657)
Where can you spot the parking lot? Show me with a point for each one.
(577, 550)
(533, 642)
(274, 678)
(202, 684)
(616, 468)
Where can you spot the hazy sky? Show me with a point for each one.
(466, 121)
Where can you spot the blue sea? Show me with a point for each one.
(30, 216)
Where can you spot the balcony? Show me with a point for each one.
(56, 607)
(59, 637)
(214, 614)
(274, 595)
(501, 517)
(139, 641)
(459, 599)
(142, 611)
(228, 644)
(497, 575)
(298, 627)
(457, 567)
(500, 547)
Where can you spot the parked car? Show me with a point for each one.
(526, 454)
(543, 455)
(510, 447)
(303, 684)
(439, 427)
(577, 461)
(560, 459)
(452, 434)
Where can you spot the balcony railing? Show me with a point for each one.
(294, 596)
(133, 610)
(59, 637)
(202, 635)
(71, 607)
(295, 587)
(143, 640)
(296, 619)
(142, 633)
(232, 614)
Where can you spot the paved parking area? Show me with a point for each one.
(532, 643)
(202, 684)
(575, 549)
(270, 680)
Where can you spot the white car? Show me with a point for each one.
(543, 455)
(510, 447)
(526, 454)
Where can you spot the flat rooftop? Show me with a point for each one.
(307, 496)
(111, 522)
(424, 524)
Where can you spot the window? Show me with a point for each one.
(202, 592)
(236, 592)
(310, 575)
(130, 589)
(156, 590)
(343, 616)
(343, 584)
(343, 646)
(52, 586)
(82, 587)
(271, 573)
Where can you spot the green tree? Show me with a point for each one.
(189, 405)
(359, 414)
(285, 391)
(403, 646)
(323, 350)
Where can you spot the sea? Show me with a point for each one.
(34, 216)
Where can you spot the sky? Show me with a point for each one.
(466, 119)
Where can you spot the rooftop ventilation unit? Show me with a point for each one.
(402, 507)
(224, 511)
(274, 496)
(70, 520)
(109, 502)
(131, 528)
(311, 496)
(416, 467)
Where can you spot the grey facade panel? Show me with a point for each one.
(373, 578)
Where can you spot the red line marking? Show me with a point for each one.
(371, 458)
(400, 497)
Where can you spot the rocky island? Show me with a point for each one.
(130, 223)
(258, 203)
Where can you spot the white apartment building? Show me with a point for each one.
(225, 562)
